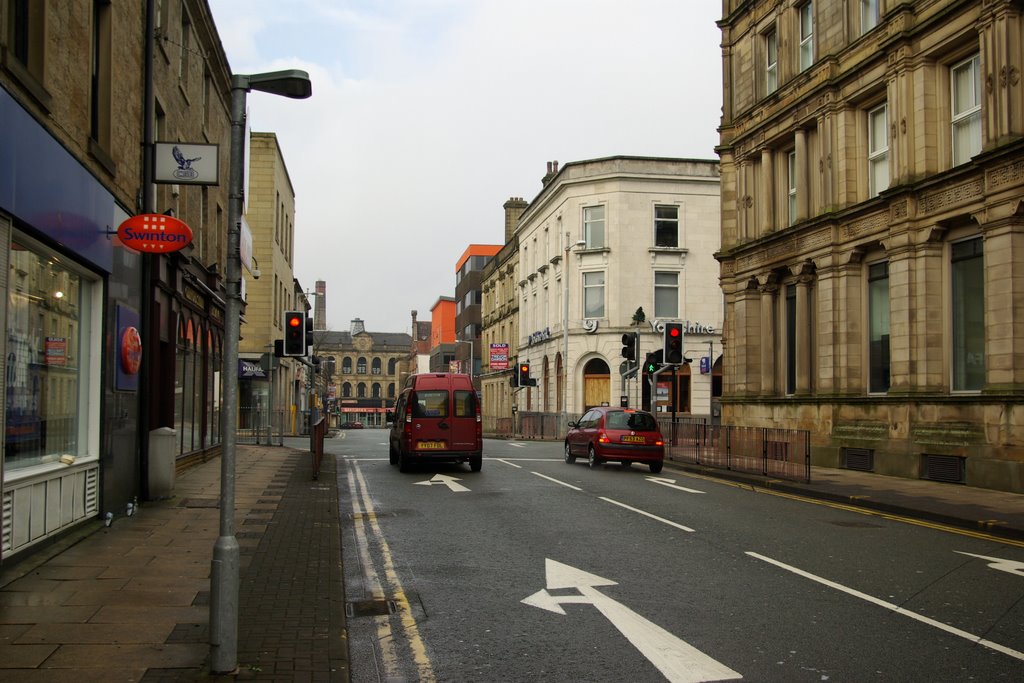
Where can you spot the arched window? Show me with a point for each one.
(346, 365)
(361, 390)
(392, 362)
(346, 390)
(376, 390)
(391, 390)
(376, 366)
(361, 366)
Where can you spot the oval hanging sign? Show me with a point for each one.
(131, 351)
(154, 233)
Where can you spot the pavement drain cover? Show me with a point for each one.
(370, 608)
(199, 503)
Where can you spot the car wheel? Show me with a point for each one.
(655, 467)
(569, 457)
(476, 462)
(625, 464)
(592, 458)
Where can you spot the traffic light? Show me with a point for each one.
(294, 333)
(309, 333)
(629, 346)
(673, 343)
(652, 363)
(523, 375)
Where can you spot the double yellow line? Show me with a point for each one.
(366, 526)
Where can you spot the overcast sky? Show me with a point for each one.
(427, 115)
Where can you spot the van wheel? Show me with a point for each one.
(476, 462)
(569, 457)
(656, 467)
(392, 454)
(592, 458)
(403, 462)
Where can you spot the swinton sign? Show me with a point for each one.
(154, 233)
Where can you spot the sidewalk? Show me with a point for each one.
(131, 602)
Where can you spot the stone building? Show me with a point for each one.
(102, 345)
(602, 239)
(367, 370)
(500, 323)
(873, 232)
(270, 399)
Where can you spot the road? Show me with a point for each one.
(533, 569)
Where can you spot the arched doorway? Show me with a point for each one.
(596, 383)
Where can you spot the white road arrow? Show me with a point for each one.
(446, 480)
(671, 483)
(676, 659)
(1011, 566)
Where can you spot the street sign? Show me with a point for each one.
(154, 233)
(186, 164)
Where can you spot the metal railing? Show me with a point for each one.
(260, 425)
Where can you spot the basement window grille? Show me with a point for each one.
(947, 468)
(861, 459)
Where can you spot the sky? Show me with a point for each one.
(427, 115)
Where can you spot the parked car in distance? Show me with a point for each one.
(617, 434)
(437, 419)
(351, 425)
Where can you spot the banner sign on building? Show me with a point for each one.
(56, 350)
(248, 369)
(499, 357)
(186, 164)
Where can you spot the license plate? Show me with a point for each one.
(634, 439)
(430, 446)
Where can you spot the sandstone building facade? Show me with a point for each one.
(872, 254)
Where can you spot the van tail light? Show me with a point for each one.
(408, 408)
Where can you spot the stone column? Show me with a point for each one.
(769, 337)
(1004, 304)
(766, 199)
(803, 330)
(803, 190)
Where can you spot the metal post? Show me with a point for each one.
(224, 570)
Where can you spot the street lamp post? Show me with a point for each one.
(224, 567)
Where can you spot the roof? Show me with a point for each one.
(381, 340)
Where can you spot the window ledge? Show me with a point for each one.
(594, 250)
(668, 250)
(102, 157)
(27, 80)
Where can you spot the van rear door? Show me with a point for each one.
(464, 427)
(430, 414)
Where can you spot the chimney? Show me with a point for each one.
(357, 326)
(320, 306)
(514, 208)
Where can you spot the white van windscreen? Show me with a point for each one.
(430, 404)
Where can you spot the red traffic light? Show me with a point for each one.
(674, 331)
(294, 321)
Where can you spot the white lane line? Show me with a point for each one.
(569, 486)
(510, 464)
(647, 514)
(894, 608)
(517, 445)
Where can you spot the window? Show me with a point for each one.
(791, 173)
(878, 150)
(965, 81)
(430, 404)
(186, 35)
(375, 390)
(868, 15)
(790, 339)
(666, 226)
(346, 390)
(666, 295)
(100, 83)
(465, 404)
(361, 390)
(968, 300)
(878, 327)
(376, 366)
(391, 365)
(806, 35)
(593, 227)
(361, 366)
(27, 40)
(346, 365)
(593, 295)
(771, 69)
(53, 382)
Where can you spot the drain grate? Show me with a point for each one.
(370, 608)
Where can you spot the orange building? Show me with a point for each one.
(442, 334)
(468, 301)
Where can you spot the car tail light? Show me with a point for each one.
(659, 442)
(603, 438)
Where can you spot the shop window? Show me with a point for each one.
(968, 300)
(53, 380)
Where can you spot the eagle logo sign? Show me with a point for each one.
(184, 170)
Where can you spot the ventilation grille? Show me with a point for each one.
(862, 459)
(948, 468)
(92, 492)
(5, 544)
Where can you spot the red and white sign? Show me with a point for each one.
(56, 351)
(154, 233)
(499, 357)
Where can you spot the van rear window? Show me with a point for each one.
(430, 404)
(465, 404)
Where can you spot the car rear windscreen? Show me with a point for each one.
(640, 422)
(430, 404)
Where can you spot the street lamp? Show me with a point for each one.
(224, 569)
(470, 342)
(565, 322)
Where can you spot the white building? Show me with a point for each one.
(604, 238)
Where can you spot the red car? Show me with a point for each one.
(618, 434)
